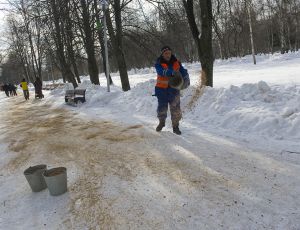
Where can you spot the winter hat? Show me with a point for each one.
(165, 48)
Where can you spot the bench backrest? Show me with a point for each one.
(79, 92)
(69, 92)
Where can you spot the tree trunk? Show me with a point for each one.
(283, 43)
(219, 38)
(69, 44)
(297, 27)
(27, 22)
(117, 44)
(65, 67)
(207, 59)
(203, 40)
(282, 38)
(100, 33)
(89, 44)
(251, 31)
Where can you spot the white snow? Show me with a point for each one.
(256, 101)
(244, 133)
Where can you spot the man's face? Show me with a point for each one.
(167, 55)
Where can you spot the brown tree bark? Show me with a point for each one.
(203, 40)
(58, 29)
(116, 39)
(69, 38)
(89, 43)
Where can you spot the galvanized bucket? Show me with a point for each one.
(56, 180)
(34, 176)
(176, 81)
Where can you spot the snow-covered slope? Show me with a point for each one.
(249, 102)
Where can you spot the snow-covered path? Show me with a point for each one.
(130, 177)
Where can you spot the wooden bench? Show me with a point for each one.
(75, 96)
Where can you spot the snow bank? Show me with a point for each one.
(256, 109)
(254, 100)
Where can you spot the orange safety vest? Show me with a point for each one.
(163, 81)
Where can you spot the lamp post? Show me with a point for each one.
(104, 4)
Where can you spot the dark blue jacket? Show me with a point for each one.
(160, 92)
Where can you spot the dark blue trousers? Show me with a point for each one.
(166, 97)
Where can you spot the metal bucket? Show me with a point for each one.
(56, 180)
(176, 81)
(34, 176)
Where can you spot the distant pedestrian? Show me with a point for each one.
(15, 90)
(12, 89)
(6, 89)
(24, 86)
(38, 86)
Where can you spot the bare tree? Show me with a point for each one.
(203, 38)
(248, 6)
(67, 36)
(87, 20)
(58, 9)
(117, 43)
(69, 41)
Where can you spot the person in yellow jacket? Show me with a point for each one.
(24, 86)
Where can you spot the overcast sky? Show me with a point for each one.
(3, 6)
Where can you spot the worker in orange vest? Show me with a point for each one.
(169, 70)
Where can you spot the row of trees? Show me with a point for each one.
(63, 35)
(273, 25)
(64, 38)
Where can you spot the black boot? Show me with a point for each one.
(160, 126)
(176, 130)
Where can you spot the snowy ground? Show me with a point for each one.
(236, 166)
